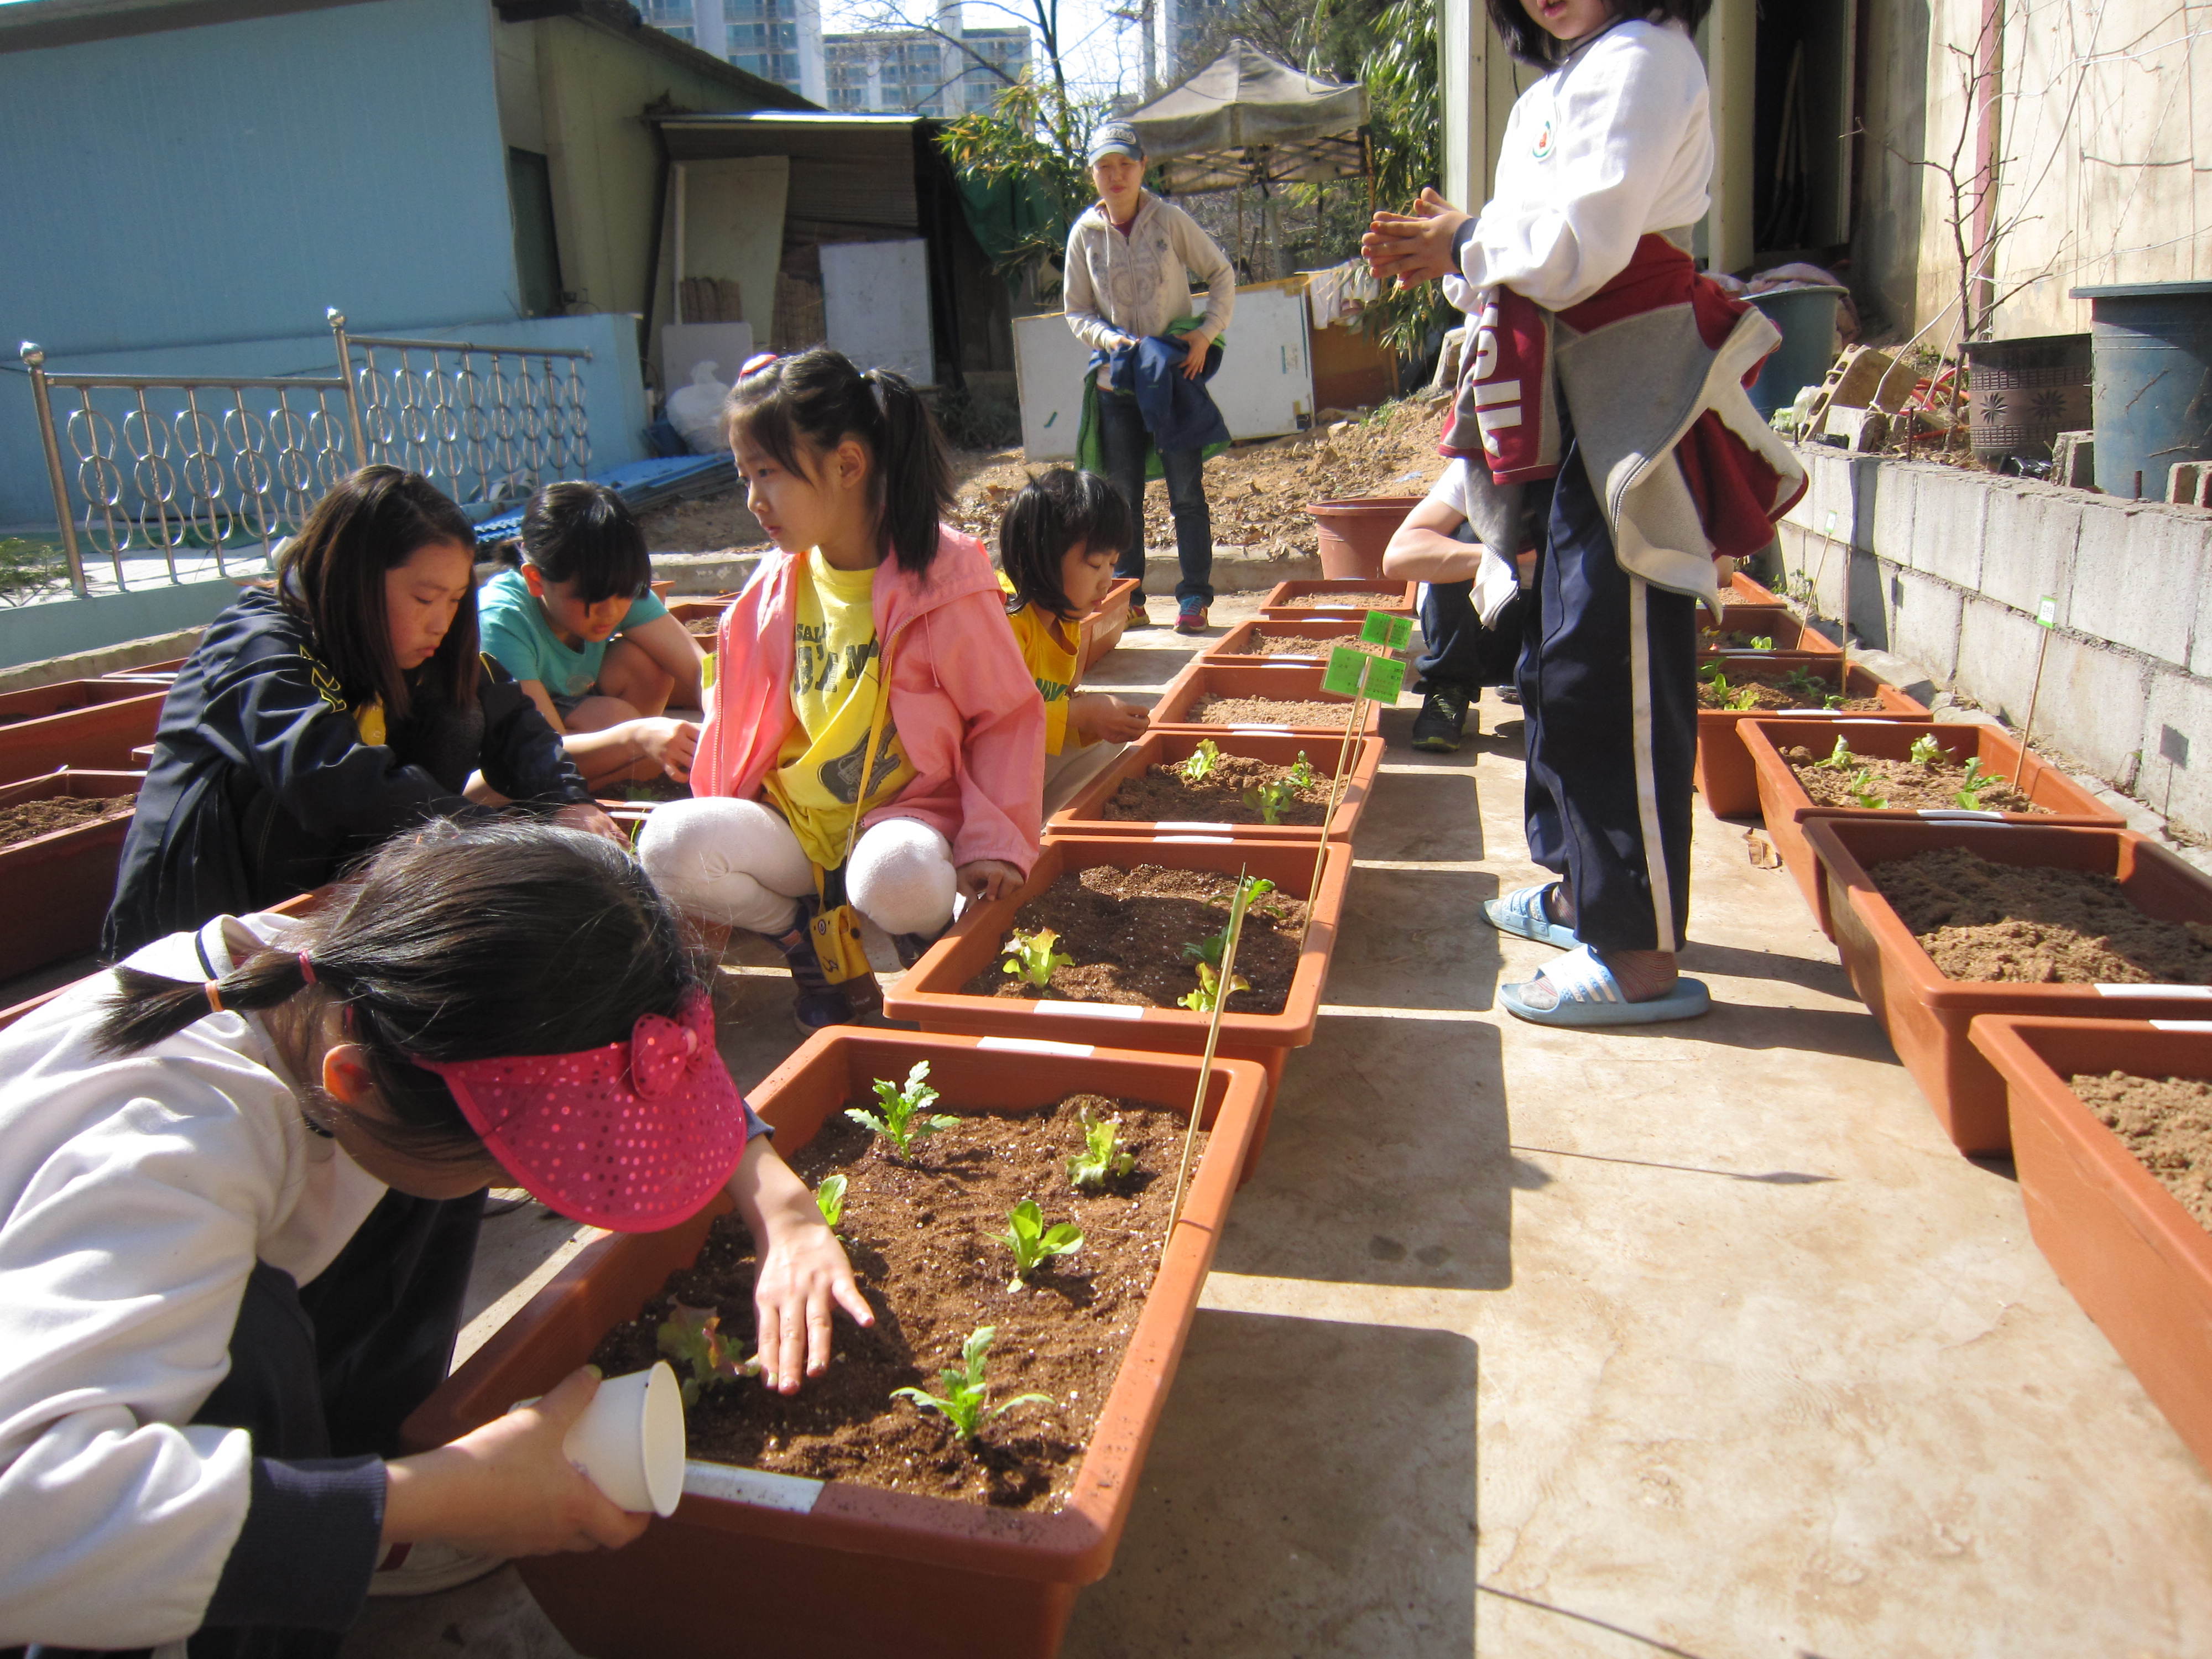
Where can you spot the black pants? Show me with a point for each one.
(1608, 689)
(1458, 654)
(1123, 438)
(330, 1369)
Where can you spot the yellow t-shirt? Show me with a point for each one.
(1052, 657)
(836, 670)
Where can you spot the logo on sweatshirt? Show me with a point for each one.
(1541, 147)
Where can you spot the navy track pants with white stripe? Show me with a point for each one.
(1609, 686)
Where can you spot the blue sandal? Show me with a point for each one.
(1589, 996)
(1521, 913)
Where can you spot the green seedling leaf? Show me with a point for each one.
(1832, 699)
(906, 1117)
(1269, 800)
(1745, 698)
(1032, 1242)
(1303, 773)
(1203, 1000)
(692, 1340)
(1925, 750)
(1969, 795)
(1762, 642)
(1250, 892)
(1713, 675)
(966, 1389)
(1101, 1160)
(1840, 758)
(1862, 786)
(1032, 955)
(830, 1198)
(1202, 762)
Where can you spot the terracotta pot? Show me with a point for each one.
(1926, 1015)
(1784, 803)
(1102, 627)
(1081, 816)
(55, 889)
(1776, 621)
(1724, 773)
(1286, 682)
(1741, 590)
(930, 994)
(1234, 648)
(838, 1567)
(76, 723)
(1277, 605)
(1354, 532)
(2139, 1264)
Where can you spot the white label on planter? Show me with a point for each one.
(1036, 1046)
(1196, 841)
(2192, 991)
(1280, 731)
(2199, 1025)
(735, 1485)
(1949, 814)
(1190, 823)
(1095, 1010)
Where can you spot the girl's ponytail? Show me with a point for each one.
(916, 488)
(149, 1008)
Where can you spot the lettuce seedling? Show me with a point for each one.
(1839, 757)
(1714, 675)
(1925, 750)
(1762, 642)
(966, 1389)
(1969, 797)
(1269, 800)
(1202, 763)
(1203, 1000)
(1862, 786)
(1303, 773)
(1209, 949)
(693, 1338)
(1031, 956)
(906, 1118)
(1832, 699)
(1747, 698)
(830, 1198)
(1101, 1160)
(1032, 1242)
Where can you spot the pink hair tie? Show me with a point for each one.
(307, 968)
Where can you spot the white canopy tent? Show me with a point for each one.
(1249, 119)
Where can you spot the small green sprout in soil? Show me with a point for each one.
(1208, 994)
(1303, 773)
(1971, 785)
(1269, 800)
(962, 1404)
(906, 1117)
(693, 1338)
(1862, 786)
(830, 1198)
(1798, 682)
(1031, 956)
(1101, 1160)
(1209, 949)
(1202, 763)
(1033, 1243)
(1925, 750)
(1762, 642)
(1840, 758)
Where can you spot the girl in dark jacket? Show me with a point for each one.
(316, 720)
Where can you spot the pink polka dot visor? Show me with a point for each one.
(633, 1137)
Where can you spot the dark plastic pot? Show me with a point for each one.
(836, 1567)
(1807, 317)
(1354, 532)
(2151, 345)
(2021, 394)
(1724, 774)
(1081, 816)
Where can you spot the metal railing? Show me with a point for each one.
(155, 465)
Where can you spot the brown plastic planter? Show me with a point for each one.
(1784, 803)
(1081, 816)
(55, 889)
(1355, 530)
(1234, 648)
(1286, 682)
(145, 669)
(1741, 590)
(836, 1567)
(77, 723)
(1103, 627)
(1926, 1015)
(1277, 605)
(2137, 1263)
(1791, 635)
(1725, 777)
(930, 994)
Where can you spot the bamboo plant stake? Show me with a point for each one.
(1237, 909)
(1336, 785)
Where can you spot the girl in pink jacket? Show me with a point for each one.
(847, 474)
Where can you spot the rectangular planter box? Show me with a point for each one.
(1725, 777)
(1276, 606)
(836, 1567)
(930, 995)
(77, 723)
(170, 668)
(1234, 648)
(55, 889)
(1081, 817)
(1741, 590)
(2137, 1263)
(1102, 628)
(1287, 681)
(1784, 805)
(1791, 635)
(1926, 1015)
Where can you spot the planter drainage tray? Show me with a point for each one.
(837, 1566)
(1085, 814)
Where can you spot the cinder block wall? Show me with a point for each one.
(1946, 568)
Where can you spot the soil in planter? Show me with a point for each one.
(1126, 929)
(703, 628)
(2029, 925)
(1163, 794)
(1899, 783)
(1394, 600)
(2167, 1122)
(28, 819)
(1210, 710)
(657, 790)
(922, 1241)
(1781, 693)
(1277, 645)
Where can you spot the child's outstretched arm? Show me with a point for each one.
(1425, 547)
(803, 1270)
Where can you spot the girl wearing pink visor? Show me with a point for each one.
(240, 1177)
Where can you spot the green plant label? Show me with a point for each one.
(1354, 673)
(1382, 629)
(2046, 610)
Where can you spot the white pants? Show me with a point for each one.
(737, 862)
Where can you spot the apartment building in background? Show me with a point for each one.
(947, 71)
(778, 40)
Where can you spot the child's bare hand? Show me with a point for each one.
(987, 879)
(1097, 718)
(1196, 343)
(670, 744)
(1416, 247)
(803, 1273)
(588, 815)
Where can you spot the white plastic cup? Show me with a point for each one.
(630, 1443)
